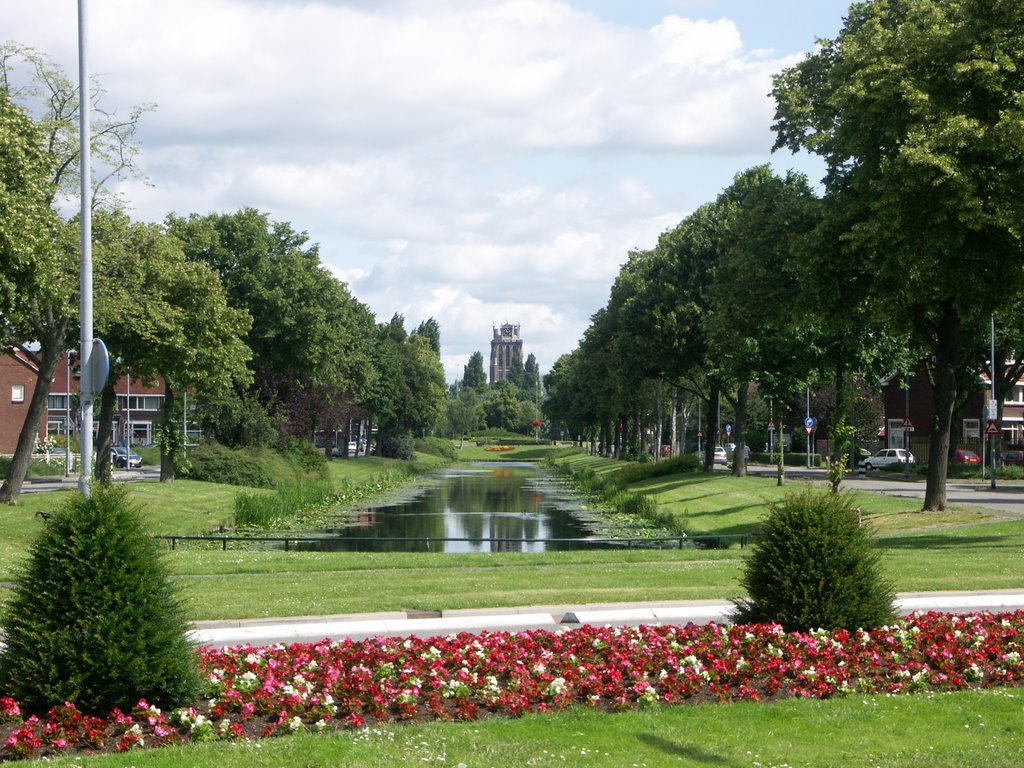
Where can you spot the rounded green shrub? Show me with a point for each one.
(94, 619)
(437, 446)
(813, 567)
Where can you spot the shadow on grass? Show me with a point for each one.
(678, 749)
(946, 542)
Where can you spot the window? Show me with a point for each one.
(57, 402)
(972, 429)
(139, 402)
(17, 393)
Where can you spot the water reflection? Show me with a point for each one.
(504, 508)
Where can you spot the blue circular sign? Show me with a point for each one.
(808, 422)
(728, 429)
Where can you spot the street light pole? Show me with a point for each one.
(995, 403)
(85, 276)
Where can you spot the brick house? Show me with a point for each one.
(916, 402)
(135, 417)
(17, 379)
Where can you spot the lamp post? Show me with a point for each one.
(995, 403)
(85, 266)
(68, 465)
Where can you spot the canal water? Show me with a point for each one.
(486, 507)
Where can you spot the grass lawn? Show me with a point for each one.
(470, 451)
(721, 504)
(939, 731)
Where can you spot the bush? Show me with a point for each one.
(437, 446)
(813, 567)
(306, 457)
(215, 463)
(398, 447)
(257, 467)
(94, 619)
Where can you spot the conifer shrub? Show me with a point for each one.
(813, 567)
(94, 619)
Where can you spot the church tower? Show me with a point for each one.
(506, 346)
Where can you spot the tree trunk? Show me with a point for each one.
(659, 423)
(676, 413)
(166, 429)
(714, 396)
(942, 377)
(51, 352)
(944, 388)
(108, 398)
(739, 453)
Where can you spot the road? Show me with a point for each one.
(309, 629)
(1007, 497)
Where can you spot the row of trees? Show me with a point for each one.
(233, 308)
(913, 248)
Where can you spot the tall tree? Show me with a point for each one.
(473, 374)
(34, 300)
(410, 395)
(163, 316)
(310, 339)
(465, 413)
(915, 107)
(760, 329)
(47, 300)
(431, 330)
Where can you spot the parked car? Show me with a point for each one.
(721, 457)
(961, 456)
(1013, 458)
(887, 457)
(122, 458)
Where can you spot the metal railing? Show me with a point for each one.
(429, 543)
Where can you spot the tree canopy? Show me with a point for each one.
(915, 107)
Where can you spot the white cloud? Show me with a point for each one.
(472, 161)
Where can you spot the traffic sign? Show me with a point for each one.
(907, 423)
(991, 428)
(771, 423)
(809, 429)
(809, 423)
(728, 429)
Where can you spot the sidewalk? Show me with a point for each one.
(552, 617)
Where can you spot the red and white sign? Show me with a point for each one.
(907, 423)
(808, 430)
(991, 428)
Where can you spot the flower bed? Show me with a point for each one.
(265, 691)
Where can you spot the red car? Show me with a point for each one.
(966, 457)
(1013, 457)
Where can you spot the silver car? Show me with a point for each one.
(887, 457)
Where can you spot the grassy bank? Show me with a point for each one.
(940, 731)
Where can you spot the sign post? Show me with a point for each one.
(809, 428)
(908, 427)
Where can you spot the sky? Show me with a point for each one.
(475, 161)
